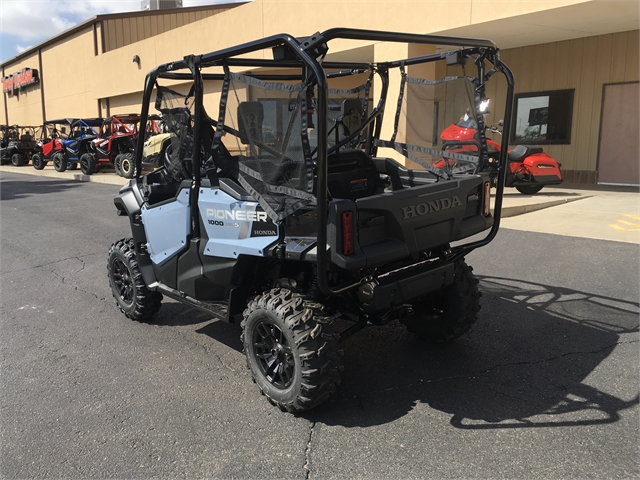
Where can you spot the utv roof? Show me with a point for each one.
(124, 117)
(67, 121)
(91, 122)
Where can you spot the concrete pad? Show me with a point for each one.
(604, 214)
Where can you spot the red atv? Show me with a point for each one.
(115, 142)
(530, 168)
(51, 143)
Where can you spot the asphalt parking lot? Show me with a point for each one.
(545, 385)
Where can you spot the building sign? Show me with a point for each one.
(19, 80)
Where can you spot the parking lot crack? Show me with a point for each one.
(307, 452)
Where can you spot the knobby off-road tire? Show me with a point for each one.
(88, 164)
(132, 296)
(126, 165)
(59, 162)
(17, 160)
(116, 164)
(291, 350)
(38, 161)
(445, 315)
(529, 189)
(72, 165)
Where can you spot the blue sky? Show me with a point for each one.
(26, 23)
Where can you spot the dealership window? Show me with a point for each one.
(543, 117)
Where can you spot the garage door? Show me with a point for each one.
(618, 158)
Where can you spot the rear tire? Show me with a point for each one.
(59, 162)
(291, 350)
(116, 164)
(38, 162)
(132, 296)
(88, 164)
(529, 189)
(17, 160)
(72, 165)
(450, 312)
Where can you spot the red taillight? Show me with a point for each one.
(486, 200)
(347, 233)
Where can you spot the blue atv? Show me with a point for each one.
(81, 132)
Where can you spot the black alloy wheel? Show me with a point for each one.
(273, 353)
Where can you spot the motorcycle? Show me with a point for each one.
(530, 168)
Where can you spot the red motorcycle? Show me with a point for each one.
(530, 168)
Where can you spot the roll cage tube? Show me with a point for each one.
(502, 169)
(303, 49)
(194, 64)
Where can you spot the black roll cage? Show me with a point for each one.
(303, 54)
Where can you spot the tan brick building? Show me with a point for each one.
(576, 60)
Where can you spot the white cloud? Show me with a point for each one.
(30, 20)
(37, 20)
(21, 49)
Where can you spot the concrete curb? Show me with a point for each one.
(105, 178)
(515, 210)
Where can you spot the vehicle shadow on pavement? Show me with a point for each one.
(176, 314)
(13, 189)
(523, 365)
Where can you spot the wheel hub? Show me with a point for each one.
(273, 355)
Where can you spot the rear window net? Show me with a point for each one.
(274, 164)
(420, 139)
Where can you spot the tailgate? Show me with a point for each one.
(394, 225)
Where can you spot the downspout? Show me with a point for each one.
(6, 110)
(44, 111)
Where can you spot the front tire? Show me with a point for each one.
(448, 313)
(59, 162)
(291, 350)
(529, 189)
(88, 164)
(38, 161)
(126, 165)
(132, 296)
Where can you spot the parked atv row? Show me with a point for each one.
(95, 144)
